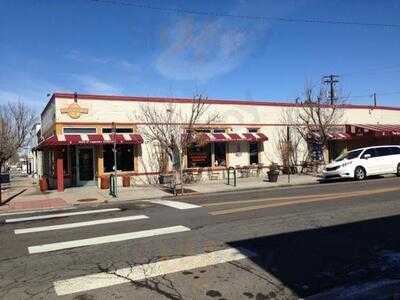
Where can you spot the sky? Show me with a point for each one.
(111, 47)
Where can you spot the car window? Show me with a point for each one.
(349, 155)
(395, 150)
(370, 152)
(384, 151)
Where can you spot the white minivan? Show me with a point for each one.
(363, 162)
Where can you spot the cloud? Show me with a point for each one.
(78, 56)
(92, 84)
(201, 49)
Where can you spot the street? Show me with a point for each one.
(285, 243)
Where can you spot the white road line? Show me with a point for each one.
(79, 224)
(51, 216)
(175, 204)
(36, 211)
(141, 272)
(106, 239)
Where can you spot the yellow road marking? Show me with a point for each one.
(266, 199)
(320, 198)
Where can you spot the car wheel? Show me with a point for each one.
(360, 174)
(398, 170)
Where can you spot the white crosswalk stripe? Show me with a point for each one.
(79, 224)
(52, 216)
(106, 239)
(141, 272)
(175, 204)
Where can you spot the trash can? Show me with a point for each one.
(104, 182)
(126, 181)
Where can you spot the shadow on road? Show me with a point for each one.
(316, 260)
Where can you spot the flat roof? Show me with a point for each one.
(207, 100)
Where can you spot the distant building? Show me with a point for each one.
(75, 132)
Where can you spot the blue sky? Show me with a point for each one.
(97, 47)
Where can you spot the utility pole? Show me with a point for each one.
(331, 80)
(374, 95)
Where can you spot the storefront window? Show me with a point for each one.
(76, 130)
(199, 156)
(253, 153)
(118, 130)
(220, 154)
(125, 159)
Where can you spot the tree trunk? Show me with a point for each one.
(1, 167)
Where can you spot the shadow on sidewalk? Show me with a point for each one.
(316, 260)
(4, 202)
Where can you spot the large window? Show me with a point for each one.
(74, 130)
(253, 153)
(199, 156)
(220, 154)
(125, 160)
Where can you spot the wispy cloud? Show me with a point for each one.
(78, 56)
(204, 48)
(92, 84)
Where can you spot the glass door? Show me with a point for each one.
(85, 166)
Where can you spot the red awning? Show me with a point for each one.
(334, 136)
(373, 129)
(234, 137)
(90, 139)
(339, 136)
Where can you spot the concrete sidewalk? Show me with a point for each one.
(32, 199)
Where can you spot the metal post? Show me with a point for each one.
(229, 171)
(234, 177)
(114, 130)
(288, 150)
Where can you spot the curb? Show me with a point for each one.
(116, 201)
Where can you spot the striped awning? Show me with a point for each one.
(90, 139)
(375, 129)
(334, 135)
(234, 137)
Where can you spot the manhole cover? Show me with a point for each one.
(87, 200)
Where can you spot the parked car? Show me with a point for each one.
(364, 162)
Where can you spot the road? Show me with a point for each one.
(284, 243)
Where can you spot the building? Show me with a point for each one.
(76, 140)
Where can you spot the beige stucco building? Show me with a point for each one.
(76, 140)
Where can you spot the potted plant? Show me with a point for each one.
(273, 172)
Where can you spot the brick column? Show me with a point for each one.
(60, 172)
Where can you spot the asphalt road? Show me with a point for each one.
(327, 241)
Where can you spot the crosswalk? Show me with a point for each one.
(94, 281)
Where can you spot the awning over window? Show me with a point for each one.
(373, 129)
(90, 139)
(234, 137)
(334, 136)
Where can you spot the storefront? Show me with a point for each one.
(76, 142)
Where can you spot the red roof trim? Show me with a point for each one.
(210, 101)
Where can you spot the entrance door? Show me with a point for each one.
(85, 165)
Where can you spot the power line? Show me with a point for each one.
(246, 17)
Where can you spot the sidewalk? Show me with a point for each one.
(32, 199)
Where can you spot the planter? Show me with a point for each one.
(126, 181)
(43, 185)
(104, 182)
(273, 176)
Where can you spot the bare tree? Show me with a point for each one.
(316, 118)
(173, 128)
(16, 121)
